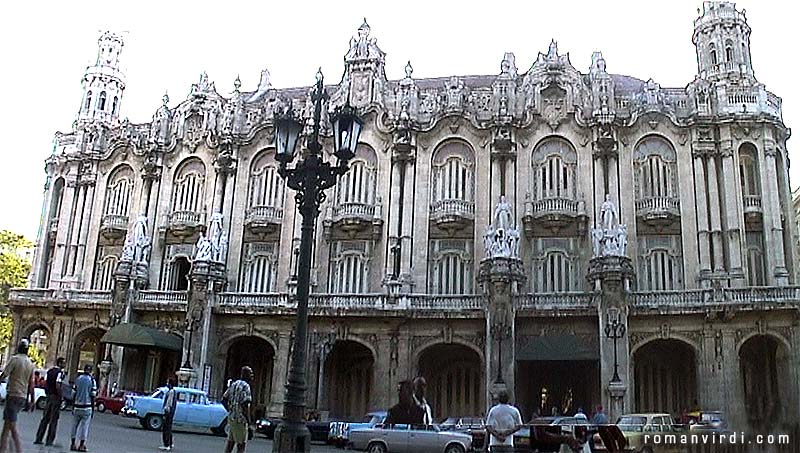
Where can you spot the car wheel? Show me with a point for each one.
(222, 429)
(454, 448)
(153, 422)
(101, 407)
(41, 403)
(376, 447)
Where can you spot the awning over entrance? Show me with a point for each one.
(557, 347)
(130, 334)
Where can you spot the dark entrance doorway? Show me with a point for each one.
(259, 355)
(563, 385)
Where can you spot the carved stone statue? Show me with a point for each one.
(128, 248)
(141, 240)
(502, 214)
(608, 213)
(501, 238)
(597, 238)
(622, 238)
(159, 128)
(202, 249)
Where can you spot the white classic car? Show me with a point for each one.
(193, 409)
(38, 395)
(404, 439)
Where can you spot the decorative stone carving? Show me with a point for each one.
(501, 239)
(159, 128)
(202, 249)
(611, 238)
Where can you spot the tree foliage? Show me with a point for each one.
(36, 355)
(14, 269)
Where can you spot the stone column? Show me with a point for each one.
(279, 371)
(703, 230)
(772, 216)
(61, 250)
(611, 275)
(86, 216)
(714, 209)
(501, 277)
(733, 215)
(122, 298)
(206, 278)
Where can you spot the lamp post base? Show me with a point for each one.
(291, 437)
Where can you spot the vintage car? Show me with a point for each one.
(193, 409)
(113, 403)
(39, 395)
(405, 439)
(527, 440)
(638, 428)
(474, 426)
(710, 422)
(339, 431)
(266, 426)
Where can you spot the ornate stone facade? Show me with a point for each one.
(669, 205)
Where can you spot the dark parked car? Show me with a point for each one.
(474, 426)
(319, 430)
(266, 426)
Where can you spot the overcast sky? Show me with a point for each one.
(46, 47)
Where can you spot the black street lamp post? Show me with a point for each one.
(500, 332)
(615, 329)
(309, 177)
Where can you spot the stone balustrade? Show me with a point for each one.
(453, 207)
(183, 219)
(264, 214)
(554, 301)
(87, 295)
(466, 302)
(752, 204)
(353, 209)
(658, 206)
(31, 295)
(150, 296)
(669, 298)
(553, 206)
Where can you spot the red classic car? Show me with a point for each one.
(113, 403)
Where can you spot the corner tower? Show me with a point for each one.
(103, 83)
(722, 41)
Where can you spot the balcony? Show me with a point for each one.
(752, 206)
(263, 219)
(452, 214)
(162, 300)
(352, 218)
(578, 302)
(185, 223)
(554, 214)
(114, 226)
(658, 211)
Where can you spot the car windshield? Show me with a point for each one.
(631, 424)
(710, 418)
(373, 419)
(157, 394)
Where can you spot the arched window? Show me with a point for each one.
(349, 267)
(101, 101)
(114, 106)
(661, 272)
(188, 191)
(451, 267)
(266, 185)
(178, 275)
(712, 51)
(452, 174)
(656, 169)
(104, 279)
(88, 104)
(554, 162)
(748, 167)
(118, 191)
(357, 186)
(556, 272)
(260, 270)
(755, 267)
(729, 51)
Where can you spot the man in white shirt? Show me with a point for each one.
(420, 386)
(501, 424)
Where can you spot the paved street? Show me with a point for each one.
(114, 433)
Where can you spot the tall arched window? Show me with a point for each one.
(104, 279)
(661, 271)
(260, 270)
(451, 267)
(554, 163)
(88, 104)
(349, 267)
(729, 50)
(712, 51)
(656, 170)
(114, 106)
(755, 267)
(748, 167)
(556, 272)
(357, 186)
(453, 176)
(266, 185)
(178, 274)
(101, 101)
(119, 189)
(188, 191)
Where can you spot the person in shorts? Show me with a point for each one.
(237, 400)
(19, 394)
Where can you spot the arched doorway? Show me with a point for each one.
(455, 381)
(665, 377)
(764, 363)
(87, 350)
(39, 338)
(348, 379)
(259, 355)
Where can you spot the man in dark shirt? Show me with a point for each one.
(49, 423)
(405, 412)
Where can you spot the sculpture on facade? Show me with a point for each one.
(213, 247)
(501, 239)
(202, 252)
(137, 243)
(159, 128)
(611, 238)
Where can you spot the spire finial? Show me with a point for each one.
(237, 83)
(409, 69)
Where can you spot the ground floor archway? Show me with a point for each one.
(86, 350)
(348, 379)
(560, 386)
(259, 355)
(147, 369)
(665, 377)
(764, 364)
(455, 378)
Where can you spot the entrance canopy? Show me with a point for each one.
(131, 334)
(557, 347)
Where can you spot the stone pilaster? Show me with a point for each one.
(206, 279)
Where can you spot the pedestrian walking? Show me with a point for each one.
(55, 394)
(19, 394)
(600, 417)
(237, 400)
(420, 387)
(405, 412)
(85, 392)
(170, 404)
(502, 422)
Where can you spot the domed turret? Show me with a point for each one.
(103, 83)
(722, 40)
